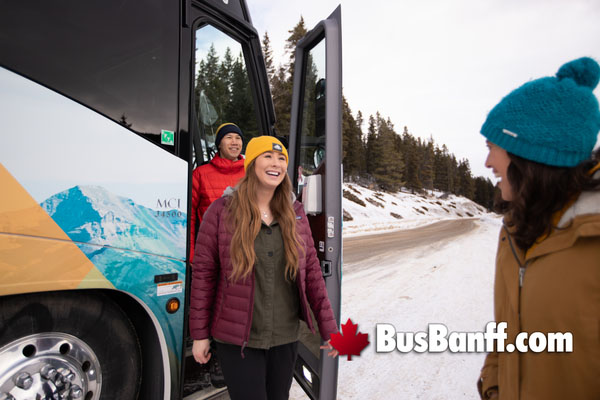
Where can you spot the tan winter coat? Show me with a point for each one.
(560, 292)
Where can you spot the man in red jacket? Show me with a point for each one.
(210, 180)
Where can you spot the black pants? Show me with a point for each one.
(261, 374)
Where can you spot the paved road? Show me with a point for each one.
(361, 248)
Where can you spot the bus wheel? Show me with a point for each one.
(67, 345)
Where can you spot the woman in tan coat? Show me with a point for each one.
(541, 138)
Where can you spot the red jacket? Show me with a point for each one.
(209, 181)
(223, 309)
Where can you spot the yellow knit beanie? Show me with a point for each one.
(261, 144)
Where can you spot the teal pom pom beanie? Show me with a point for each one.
(552, 120)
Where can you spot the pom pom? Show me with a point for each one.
(584, 71)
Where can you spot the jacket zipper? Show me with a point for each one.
(521, 266)
(521, 275)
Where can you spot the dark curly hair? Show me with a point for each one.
(539, 191)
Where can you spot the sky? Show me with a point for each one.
(439, 66)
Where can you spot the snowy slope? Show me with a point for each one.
(448, 282)
(385, 212)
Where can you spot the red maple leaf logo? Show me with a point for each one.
(351, 342)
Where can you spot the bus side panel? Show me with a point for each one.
(90, 204)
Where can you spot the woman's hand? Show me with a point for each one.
(201, 350)
(333, 353)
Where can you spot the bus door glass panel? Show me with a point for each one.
(312, 138)
(311, 165)
(221, 91)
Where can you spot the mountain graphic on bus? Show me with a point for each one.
(93, 215)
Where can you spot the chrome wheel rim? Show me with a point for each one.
(49, 366)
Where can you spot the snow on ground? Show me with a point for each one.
(386, 212)
(449, 282)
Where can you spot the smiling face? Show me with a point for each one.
(230, 146)
(270, 169)
(499, 161)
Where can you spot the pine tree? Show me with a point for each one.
(426, 161)
(465, 185)
(411, 166)
(241, 105)
(387, 163)
(484, 192)
(225, 76)
(359, 121)
(268, 56)
(282, 101)
(440, 179)
(283, 81)
(371, 145)
(313, 114)
(296, 33)
(352, 146)
(452, 174)
(123, 121)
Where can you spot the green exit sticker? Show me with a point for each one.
(167, 137)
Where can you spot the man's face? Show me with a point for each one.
(230, 146)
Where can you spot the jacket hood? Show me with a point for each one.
(588, 203)
(581, 220)
(228, 192)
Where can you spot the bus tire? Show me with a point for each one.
(80, 342)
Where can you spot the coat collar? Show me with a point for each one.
(226, 166)
(587, 203)
(581, 219)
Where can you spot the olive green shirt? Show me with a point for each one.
(276, 312)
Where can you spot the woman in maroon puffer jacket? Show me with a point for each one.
(254, 276)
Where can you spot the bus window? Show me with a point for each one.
(312, 141)
(133, 81)
(222, 91)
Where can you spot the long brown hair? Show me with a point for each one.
(244, 221)
(539, 191)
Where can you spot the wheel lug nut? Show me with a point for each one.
(76, 392)
(24, 381)
(68, 377)
(64, 394)
(58, 380)
(48, 372)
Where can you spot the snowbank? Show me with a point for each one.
(381, 212)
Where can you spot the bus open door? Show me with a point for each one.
(316, 170)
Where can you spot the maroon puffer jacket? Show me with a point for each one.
(223, 309)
